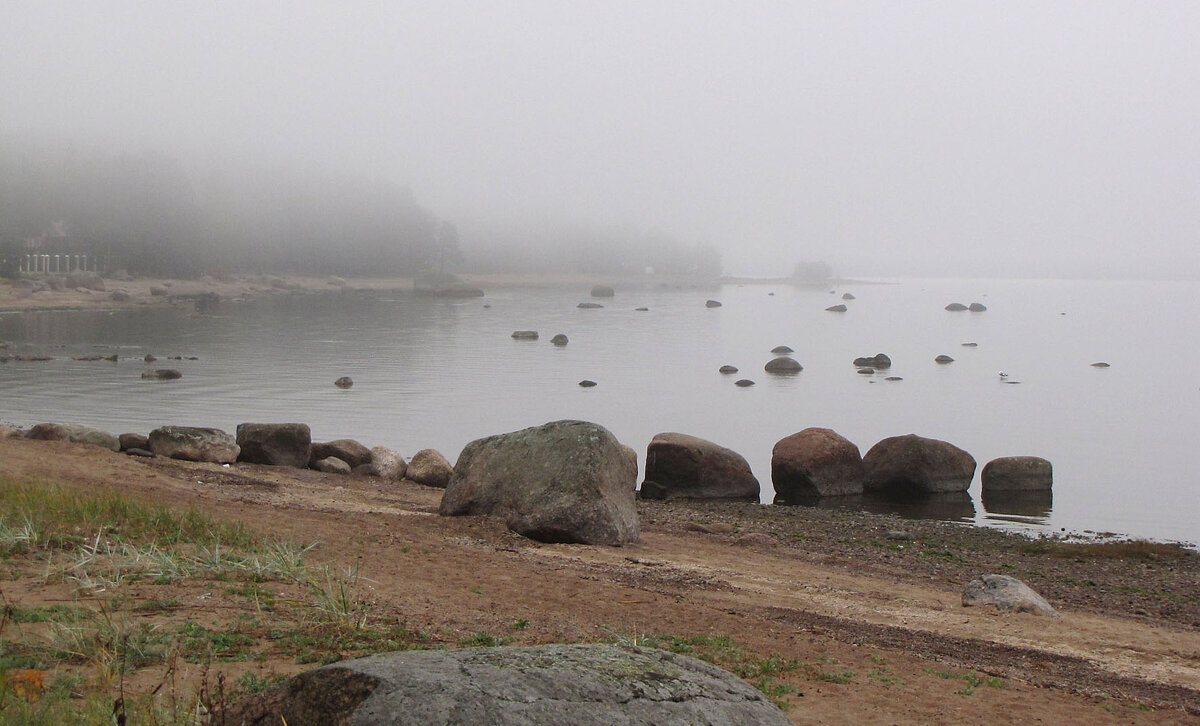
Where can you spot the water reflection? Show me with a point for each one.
(1019, 507)
(950, 507)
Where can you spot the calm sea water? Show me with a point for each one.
(437, 374)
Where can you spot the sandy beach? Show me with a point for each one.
(873, 627)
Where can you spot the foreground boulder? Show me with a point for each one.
(192, 443)
(1017, 473)
(348, 450)
(815, 463)
(913, 464)
(548, 685)
(283, 444)
(565, 481)
(1007, 594)
(430, 468)
(331, 465)
(679, 466)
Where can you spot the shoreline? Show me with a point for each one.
(824, 587)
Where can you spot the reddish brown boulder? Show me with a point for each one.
(912, 464)
(679, 466)
(815, 463)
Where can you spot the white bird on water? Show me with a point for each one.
(1003, 374)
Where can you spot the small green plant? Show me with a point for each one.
(883, 675)
(840, 678)
(520, 624)
(484, 640)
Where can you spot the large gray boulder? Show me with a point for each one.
(679, 466)
(430, 468)
(1007, 594)
(912, 464)
(348, 450)
(548, 685)
(192, 443)
(275, 444)
(565, 481)
(879, 361)
(815, 463)
(1017, 473)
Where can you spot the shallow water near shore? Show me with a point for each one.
(439, 373)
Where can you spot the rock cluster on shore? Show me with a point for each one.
(572, 481)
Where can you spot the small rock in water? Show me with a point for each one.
(344, 382)
(743, 383)
(837, 309)
(970, 345)
(943, 359)
(587, 383)
(866, 371)
(711, 304)
(782, 350)
(525, 335)
(1100, 364)
(727, 369)
(559, 340)
(893, 378)
(162, 374)
(150, 358)
(848, 296)
(642, 310)
(589, 305)
(977, 307)
(956, 307)
(783, 364)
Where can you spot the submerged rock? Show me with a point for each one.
(711, 304)
(162, 374)
(782, 350)
(879, 361)
(525, 335)
(956, 307)
(836, 309)
(943, 359)
(344, 382)
(743, 383)
(783, 364)
(976, 307)
(560, 340)
(727, 369)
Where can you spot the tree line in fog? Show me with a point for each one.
(149, 214)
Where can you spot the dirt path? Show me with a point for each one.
(883, 639)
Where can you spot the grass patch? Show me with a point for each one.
(1130, 549)
(722, 651)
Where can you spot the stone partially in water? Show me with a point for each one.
(560, 340)
(711, 304)
(743, 383)
(783, 365)
(727, 369)
(943, 359)
(525, 335)
(344, 382)
(837, 309)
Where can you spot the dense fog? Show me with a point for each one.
(878, 139)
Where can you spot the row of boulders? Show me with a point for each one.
(818, 462)
(572, 481)
(287, 444)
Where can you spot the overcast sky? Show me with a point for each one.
(884, 137)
